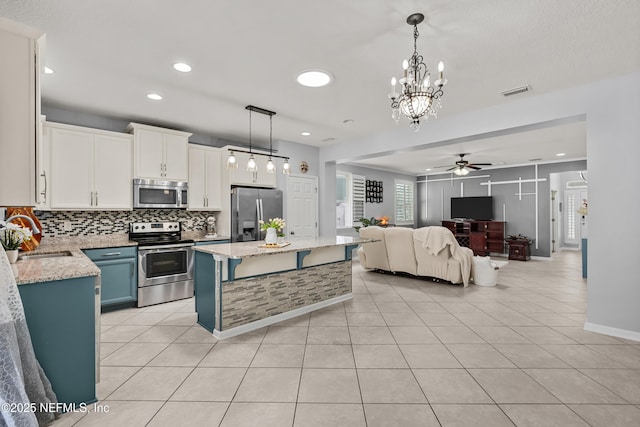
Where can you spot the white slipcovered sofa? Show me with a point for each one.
(427, 251)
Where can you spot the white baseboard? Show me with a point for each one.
(614, 332)
(541, 258)
(279, 317)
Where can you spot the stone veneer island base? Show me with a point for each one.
(240, 287)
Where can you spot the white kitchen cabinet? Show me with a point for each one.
(240, 175)
(43, 163)
(21, 49)
(160, 153)
(205, 178)
(90, 169)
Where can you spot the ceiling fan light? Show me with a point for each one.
(464, 171)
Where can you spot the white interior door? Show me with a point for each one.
(302, 207)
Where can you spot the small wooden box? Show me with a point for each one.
(519, 249)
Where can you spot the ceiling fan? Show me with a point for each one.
(462, 166)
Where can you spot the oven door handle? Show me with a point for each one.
(177, 245)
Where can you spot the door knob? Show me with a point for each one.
(293, 232)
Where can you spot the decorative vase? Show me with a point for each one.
(12, 255)
(272, 237)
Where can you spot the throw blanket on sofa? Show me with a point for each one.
(436, 239)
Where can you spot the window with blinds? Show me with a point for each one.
(404, 202)
(571, 217)
(358, 196)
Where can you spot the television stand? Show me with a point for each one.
(482, 237)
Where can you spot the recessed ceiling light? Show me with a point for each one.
(428, 169)
(537, 159)
(306, 134)
(561, 154)
(314, 78)
(48, 70)
(348, 121)
(154, 96)
(182, 67)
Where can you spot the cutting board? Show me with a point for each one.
(36, 238)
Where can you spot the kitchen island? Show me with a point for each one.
(240, 287)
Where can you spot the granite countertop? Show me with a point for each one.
(78, 265)
(252, 249)
(200, 236)
(65, 267)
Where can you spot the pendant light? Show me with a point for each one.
(271, 168)
(251, 164)
(232, 161)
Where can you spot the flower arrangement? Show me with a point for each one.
(584, 209)
(366, 222)
(277, 223)
(13, 235)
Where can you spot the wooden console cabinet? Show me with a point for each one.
(482, 237)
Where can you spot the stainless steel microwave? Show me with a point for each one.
(154, 194)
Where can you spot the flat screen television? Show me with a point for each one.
(476, 208)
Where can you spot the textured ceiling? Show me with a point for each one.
(108, 54)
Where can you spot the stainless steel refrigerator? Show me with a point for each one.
(250, 205)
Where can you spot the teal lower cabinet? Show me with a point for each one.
(119, 273)
(203, 286)
(62, 322)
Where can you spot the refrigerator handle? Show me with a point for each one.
(261, 211)
(258, 213)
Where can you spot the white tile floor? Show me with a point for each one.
(404, 352)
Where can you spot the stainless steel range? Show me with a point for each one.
(165, 262)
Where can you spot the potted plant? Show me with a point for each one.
(366, 222)
(274, 228)
(11, 238)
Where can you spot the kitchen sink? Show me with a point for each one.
(49, 255)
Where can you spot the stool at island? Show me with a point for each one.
(240, 287)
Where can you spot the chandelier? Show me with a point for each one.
(418, 97)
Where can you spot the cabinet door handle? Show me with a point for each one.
(112, 254)
(92, 198)
(96, 198)
(43, 193)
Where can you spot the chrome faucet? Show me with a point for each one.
(34, 227)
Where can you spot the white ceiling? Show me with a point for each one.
(528, 146)
(107, 55)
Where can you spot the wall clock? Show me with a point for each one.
(304, 167)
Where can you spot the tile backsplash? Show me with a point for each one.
(84, 223)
